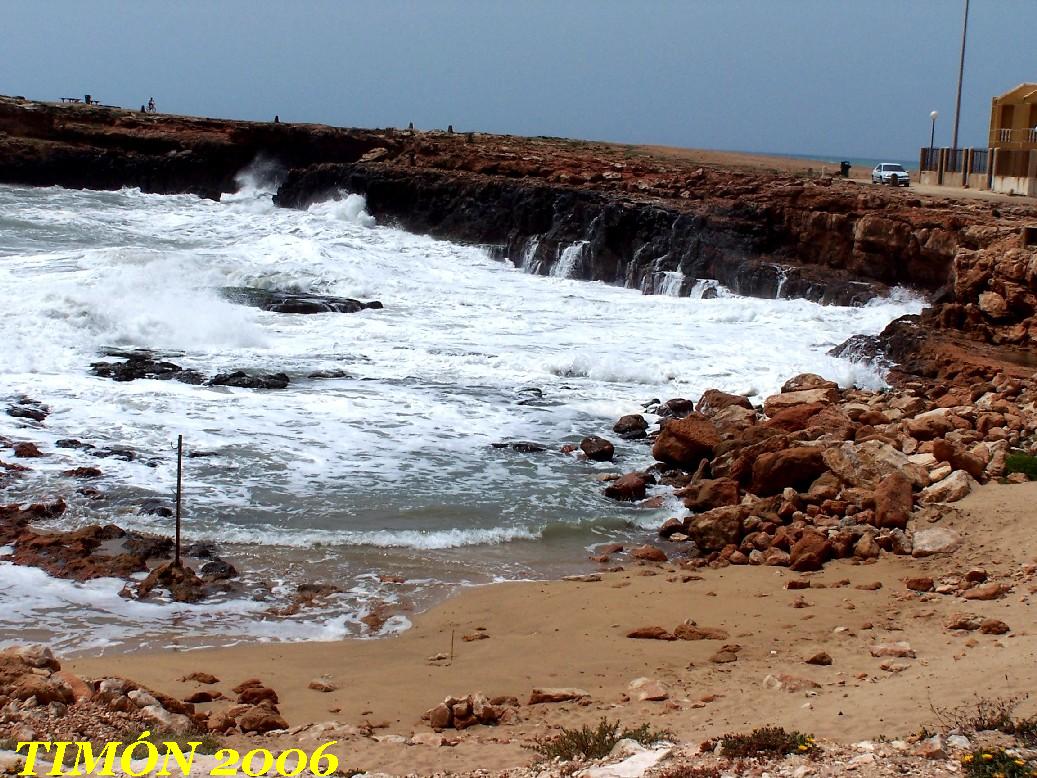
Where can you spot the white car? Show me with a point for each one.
(890, 173)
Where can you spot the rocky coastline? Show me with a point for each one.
(817, 473)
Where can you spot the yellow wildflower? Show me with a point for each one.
(987, 757)
(967, 759)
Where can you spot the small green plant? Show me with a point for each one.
(990, 714)
(587, 743)
(765, 741)
(1021, 463)
(996, 763)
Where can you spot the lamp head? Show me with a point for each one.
(933, 115)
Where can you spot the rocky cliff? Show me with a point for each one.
(643, 218)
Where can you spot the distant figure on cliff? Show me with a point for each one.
(277, 119)
(143, 109)
(151, 105)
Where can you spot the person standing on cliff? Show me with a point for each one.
(151, 105)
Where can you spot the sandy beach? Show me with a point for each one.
(573, 634)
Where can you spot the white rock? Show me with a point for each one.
(170, 722)
(632, 767)
(142, 699)
(950, 489)
(649, 689)
(938, 540)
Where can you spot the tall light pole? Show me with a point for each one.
(961, 73)
(932, 135)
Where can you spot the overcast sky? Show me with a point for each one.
(853, 78)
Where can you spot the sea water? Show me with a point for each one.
(387, 470)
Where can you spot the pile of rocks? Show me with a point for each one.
(820, 473)
(256, 711)
(39, 700)
(472, 709)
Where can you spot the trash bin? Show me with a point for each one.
(844, 169)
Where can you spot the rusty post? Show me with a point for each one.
(179, 491)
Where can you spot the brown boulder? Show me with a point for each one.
(598, 449)
(715, 529)
(254, 695)
(894, 499)
(650, 633)
(794, 418)
(921, 584)
(807, 381)
(440, 717)
(986, 591)
(796, 467)
(710, 493)
(541, 695)
(693, 632)
(181, 583)
(201, 677)
(946, 451)
(994, 627)
(686, 442)
(714, 400)
(27, 451)
(631, 426)
(81, 690)
(778, 402)
(45, 690)
(810, 552)
(929, 425)
(649, 553)
(629, 487)
(260, 719)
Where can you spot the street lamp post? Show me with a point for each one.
(932, 134)
(961, 73)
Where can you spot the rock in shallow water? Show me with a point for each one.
(295, 302)
(243, 380)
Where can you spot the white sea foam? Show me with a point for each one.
(391, 465)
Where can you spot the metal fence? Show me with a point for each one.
(954, 160)
(930, 159)
(980, 161)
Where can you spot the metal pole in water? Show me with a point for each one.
(179, 491)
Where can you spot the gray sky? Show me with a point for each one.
(853, 78)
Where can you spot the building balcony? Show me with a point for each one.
(1016, 139)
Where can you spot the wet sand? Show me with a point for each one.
(562, 633)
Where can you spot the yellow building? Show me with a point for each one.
(1013, 141)
(1009, 162)
(1013, 119)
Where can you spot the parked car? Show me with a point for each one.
(890, 173)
